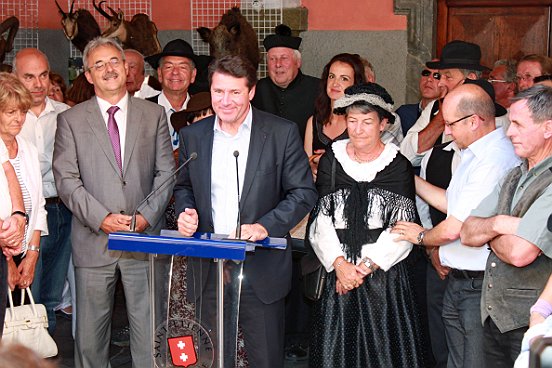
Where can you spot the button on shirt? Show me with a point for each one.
(120, 118)
(483, 164)
(169, 110)
(224, 193)
(41, 131)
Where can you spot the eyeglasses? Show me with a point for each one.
(496, 81)
(459, 120)
(100, 65)
(526, 78)
(427, 73)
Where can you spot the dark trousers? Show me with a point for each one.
(53, 262)
(462, 319)
(435, 292)
(501, 349)
(262, 324)
(297, 309)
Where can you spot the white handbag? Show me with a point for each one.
(28, 325)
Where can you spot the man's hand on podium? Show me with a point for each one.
(187, 222)
(251, 232)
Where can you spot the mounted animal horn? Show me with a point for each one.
(60, 9)
(100, 10)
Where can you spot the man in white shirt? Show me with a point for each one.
(487, 154)
(176, 71)
(31, 67)
(459, 61)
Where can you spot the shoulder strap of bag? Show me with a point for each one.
(333, 175)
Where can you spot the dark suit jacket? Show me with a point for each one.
(409, 114)
(277, 193)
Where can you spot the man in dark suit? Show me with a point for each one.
(276, 193)
(110, 152)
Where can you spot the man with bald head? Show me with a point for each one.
(31, 67)
(487, 155)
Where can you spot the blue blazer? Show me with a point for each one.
(278, 191)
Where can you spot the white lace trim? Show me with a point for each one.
(365, 171)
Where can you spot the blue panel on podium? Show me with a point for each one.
(178, 246)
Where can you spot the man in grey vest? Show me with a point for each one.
(512, 221)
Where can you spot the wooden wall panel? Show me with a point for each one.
(506, 31)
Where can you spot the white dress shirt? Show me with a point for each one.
(224, 191)
(483, 164)
(169, 110)
(41, 132)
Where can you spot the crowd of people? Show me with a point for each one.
(431, 220)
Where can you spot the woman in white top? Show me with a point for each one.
(15, 101)
(366, 316)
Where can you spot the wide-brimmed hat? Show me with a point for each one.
(370, 93)
(177, 47)
(282, 38)
(488, 88)
(199, 101)
(459, 55)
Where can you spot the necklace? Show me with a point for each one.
(363, 161)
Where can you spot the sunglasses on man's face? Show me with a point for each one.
(427, 73)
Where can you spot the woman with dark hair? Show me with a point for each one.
(366, 316)
(324, 127)
(58, 89)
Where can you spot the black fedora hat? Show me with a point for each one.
(488, 88)
(177, 47)
(460, 55)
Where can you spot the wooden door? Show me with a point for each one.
(503, 28)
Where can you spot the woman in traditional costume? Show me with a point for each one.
(366, 316)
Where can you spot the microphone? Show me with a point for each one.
(192, 157)
(238, 225)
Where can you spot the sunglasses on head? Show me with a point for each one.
(427, 73)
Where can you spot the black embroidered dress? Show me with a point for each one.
(376, 324)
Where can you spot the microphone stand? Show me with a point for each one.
(192, 157)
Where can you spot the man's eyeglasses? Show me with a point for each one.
(526, 78)
(427, 73)
(459, 120)
(100, 65)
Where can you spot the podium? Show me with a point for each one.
(207, 336)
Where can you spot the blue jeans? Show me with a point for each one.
(462, 319)
(51, 268)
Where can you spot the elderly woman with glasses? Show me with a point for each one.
(366, 316)
(15, 100)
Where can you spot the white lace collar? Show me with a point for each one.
(365, 171)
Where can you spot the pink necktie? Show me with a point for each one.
(113, 132)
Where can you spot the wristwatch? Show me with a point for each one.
(21, 213)
(420, 237)
(369, 263)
